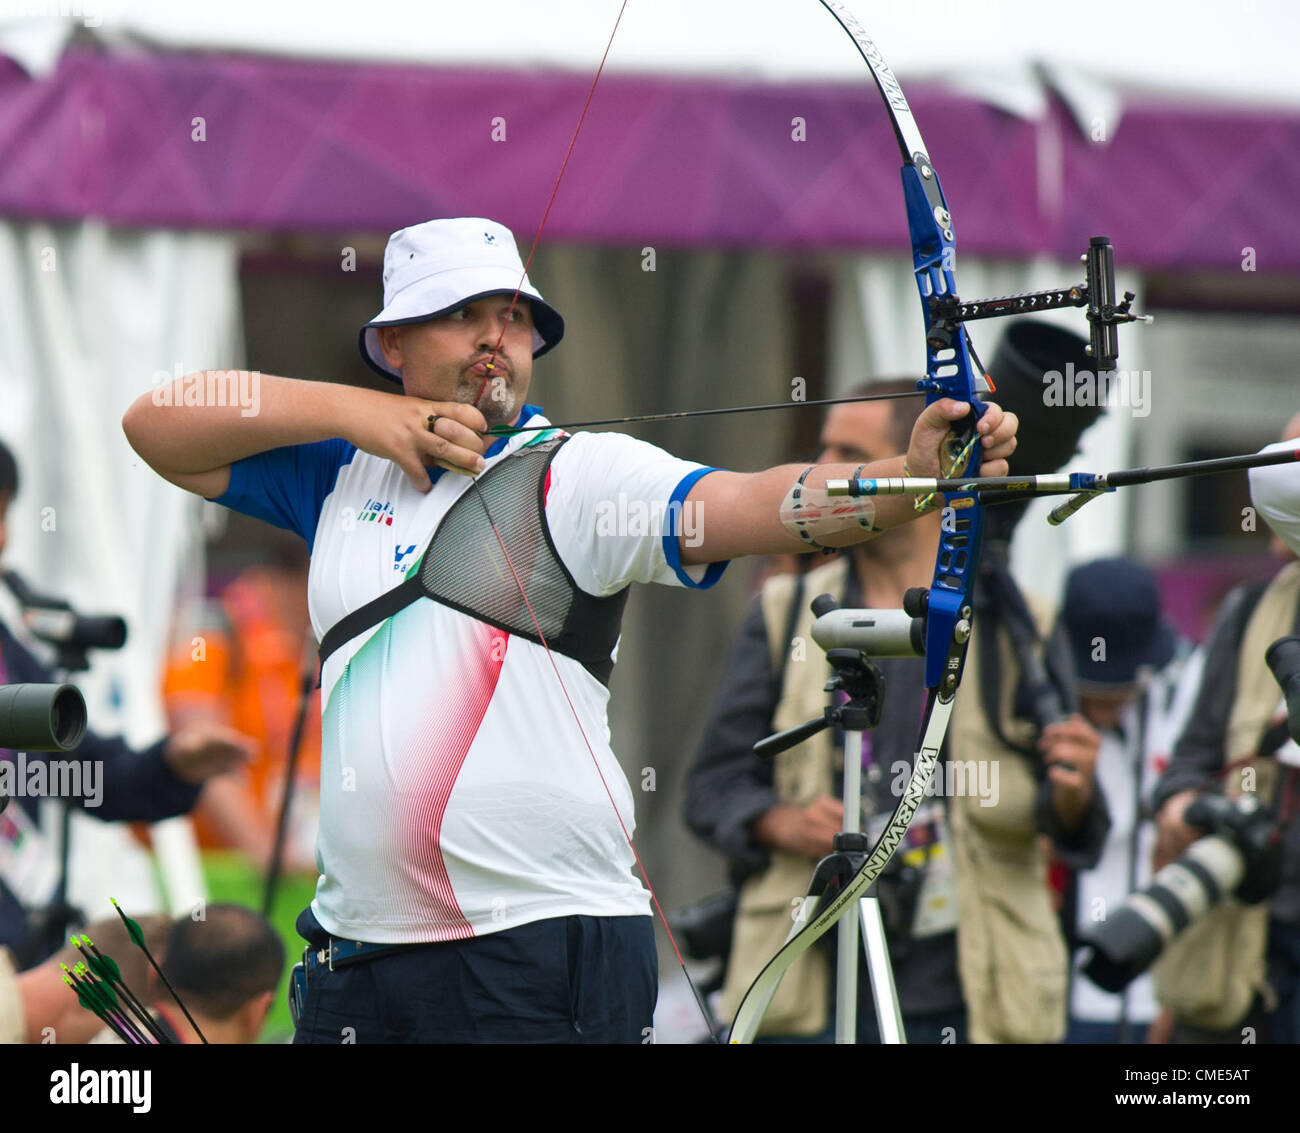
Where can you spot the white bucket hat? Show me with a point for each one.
(432, 269)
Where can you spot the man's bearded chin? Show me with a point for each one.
(496, 400)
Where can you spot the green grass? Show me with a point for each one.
(231, 878)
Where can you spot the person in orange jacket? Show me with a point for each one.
(243, 664)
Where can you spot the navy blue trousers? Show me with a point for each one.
(567, 980)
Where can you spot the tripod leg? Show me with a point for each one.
(889, 1017)
(846, 980)
(846, 960)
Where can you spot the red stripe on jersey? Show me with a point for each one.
(452, 730)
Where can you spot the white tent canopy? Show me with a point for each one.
(1219, 50)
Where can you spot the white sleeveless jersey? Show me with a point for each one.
(458, 796)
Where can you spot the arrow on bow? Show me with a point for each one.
(1084, 486)
(511, 430)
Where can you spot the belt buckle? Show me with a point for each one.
(321, 956)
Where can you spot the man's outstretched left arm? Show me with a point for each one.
(741, 513)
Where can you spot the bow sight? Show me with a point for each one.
(1096, 293)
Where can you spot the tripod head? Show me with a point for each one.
(854, 675)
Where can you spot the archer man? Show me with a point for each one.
(474, 850)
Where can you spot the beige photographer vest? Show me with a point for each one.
(1210, 974)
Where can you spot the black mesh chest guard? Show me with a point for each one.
(463, 567)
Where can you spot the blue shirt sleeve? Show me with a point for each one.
(287, 486)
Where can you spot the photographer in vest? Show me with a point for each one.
(974, 941)
(1234, 974)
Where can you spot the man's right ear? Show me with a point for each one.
(390, 342)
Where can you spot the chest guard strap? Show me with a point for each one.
(463, 567)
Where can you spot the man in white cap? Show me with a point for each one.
(476, 878)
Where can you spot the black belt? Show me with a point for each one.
(341, 953)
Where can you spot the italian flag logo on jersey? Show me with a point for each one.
(376, 512)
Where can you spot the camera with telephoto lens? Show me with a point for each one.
(1241, 855)
(52, 717)
(40, 718)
